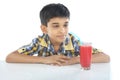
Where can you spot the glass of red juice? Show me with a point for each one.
(85, 55)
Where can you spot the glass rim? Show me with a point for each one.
(86, 43)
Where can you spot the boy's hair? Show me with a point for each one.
(53, 10)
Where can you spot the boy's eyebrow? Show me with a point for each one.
(58, 23)
(54, 23)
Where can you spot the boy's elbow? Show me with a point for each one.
(11, 57)
(107, 59)
(8, 59)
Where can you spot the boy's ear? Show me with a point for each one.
(43, 28)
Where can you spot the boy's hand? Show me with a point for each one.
(61, 60)
(73, 60)
(56, 60)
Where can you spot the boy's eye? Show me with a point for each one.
(65, 25)
(56, 26)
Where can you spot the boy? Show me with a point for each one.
(56, 46)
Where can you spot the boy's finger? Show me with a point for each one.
(58, 63)
(63, 60)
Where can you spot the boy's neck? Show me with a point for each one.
(56, 46)
(55, 43)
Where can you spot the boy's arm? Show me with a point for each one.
(96, 58)
(16, 57)
(100, 58)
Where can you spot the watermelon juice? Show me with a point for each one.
(85, 56)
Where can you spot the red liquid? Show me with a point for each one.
(85, 55)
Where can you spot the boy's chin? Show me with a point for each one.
(61, 41)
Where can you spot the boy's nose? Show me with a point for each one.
(62, 30)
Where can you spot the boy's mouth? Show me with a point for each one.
(61, 36)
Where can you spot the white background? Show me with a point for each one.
(96, 21)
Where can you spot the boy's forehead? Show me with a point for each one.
(59, 20)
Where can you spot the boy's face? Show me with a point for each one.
(57, 29)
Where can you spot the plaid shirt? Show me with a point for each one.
(42, 46)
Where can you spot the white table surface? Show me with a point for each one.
(15, 71)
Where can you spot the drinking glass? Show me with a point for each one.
(85, 55)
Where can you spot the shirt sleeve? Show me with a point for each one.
(96, 51)
(30, 49)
